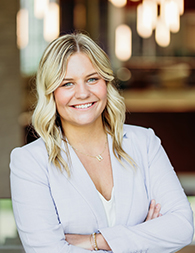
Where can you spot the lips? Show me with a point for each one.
(83, 106)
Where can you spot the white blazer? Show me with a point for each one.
(47, 204)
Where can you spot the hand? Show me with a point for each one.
(154, 211)
(82, 241)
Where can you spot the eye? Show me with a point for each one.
(67, 84)
(92, 80)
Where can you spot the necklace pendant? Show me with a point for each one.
(99, 157)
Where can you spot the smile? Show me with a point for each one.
(85, 106)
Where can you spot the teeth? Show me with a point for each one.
(83, 106)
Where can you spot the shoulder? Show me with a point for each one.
(36, 148)
(142, 140)
(141, 137)
(33, 147)
(132, 131)
(33, 155)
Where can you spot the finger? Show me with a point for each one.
(156, 211)
(151, 210)
(68, 238)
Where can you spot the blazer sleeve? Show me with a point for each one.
(35, 213)
(165, 234)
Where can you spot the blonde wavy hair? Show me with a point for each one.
(50, 74)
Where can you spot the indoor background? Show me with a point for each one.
(151, 44)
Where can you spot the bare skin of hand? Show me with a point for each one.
(82, 241)
(86, 241)
(154, 211)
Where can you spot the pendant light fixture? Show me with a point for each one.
(168, 20)
(162, 34)
(40, 8)
(118, 3)
(123, 42)
(146, 18)
(51, 22)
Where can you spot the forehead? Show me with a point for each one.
(79, 63)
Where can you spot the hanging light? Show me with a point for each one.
(181, 6)
(22, 28)
(123, 42)
(118, 3)
(162, 34)
(40, 8)
(170, 15)
(146, 18)
(51, 22)
(169, 19)
(154, 8)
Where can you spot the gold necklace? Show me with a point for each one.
(98, 157)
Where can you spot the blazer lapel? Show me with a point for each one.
(123, 186)
(82, 182)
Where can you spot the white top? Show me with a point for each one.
(109, 206)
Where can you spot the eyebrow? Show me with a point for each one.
(70, 79)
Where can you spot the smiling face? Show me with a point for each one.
(82, 96)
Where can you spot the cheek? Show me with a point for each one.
(56, 96)
(104, 97)
(103, 91)
(60, 98)
(57, 100)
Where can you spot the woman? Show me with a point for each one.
(88, 182)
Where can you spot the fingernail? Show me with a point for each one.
(158, 206)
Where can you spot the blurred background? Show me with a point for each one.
(151, 44)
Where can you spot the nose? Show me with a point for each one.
(82, 91)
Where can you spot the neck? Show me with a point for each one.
(85, 135)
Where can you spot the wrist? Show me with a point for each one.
(101, 242)
(93, 240)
